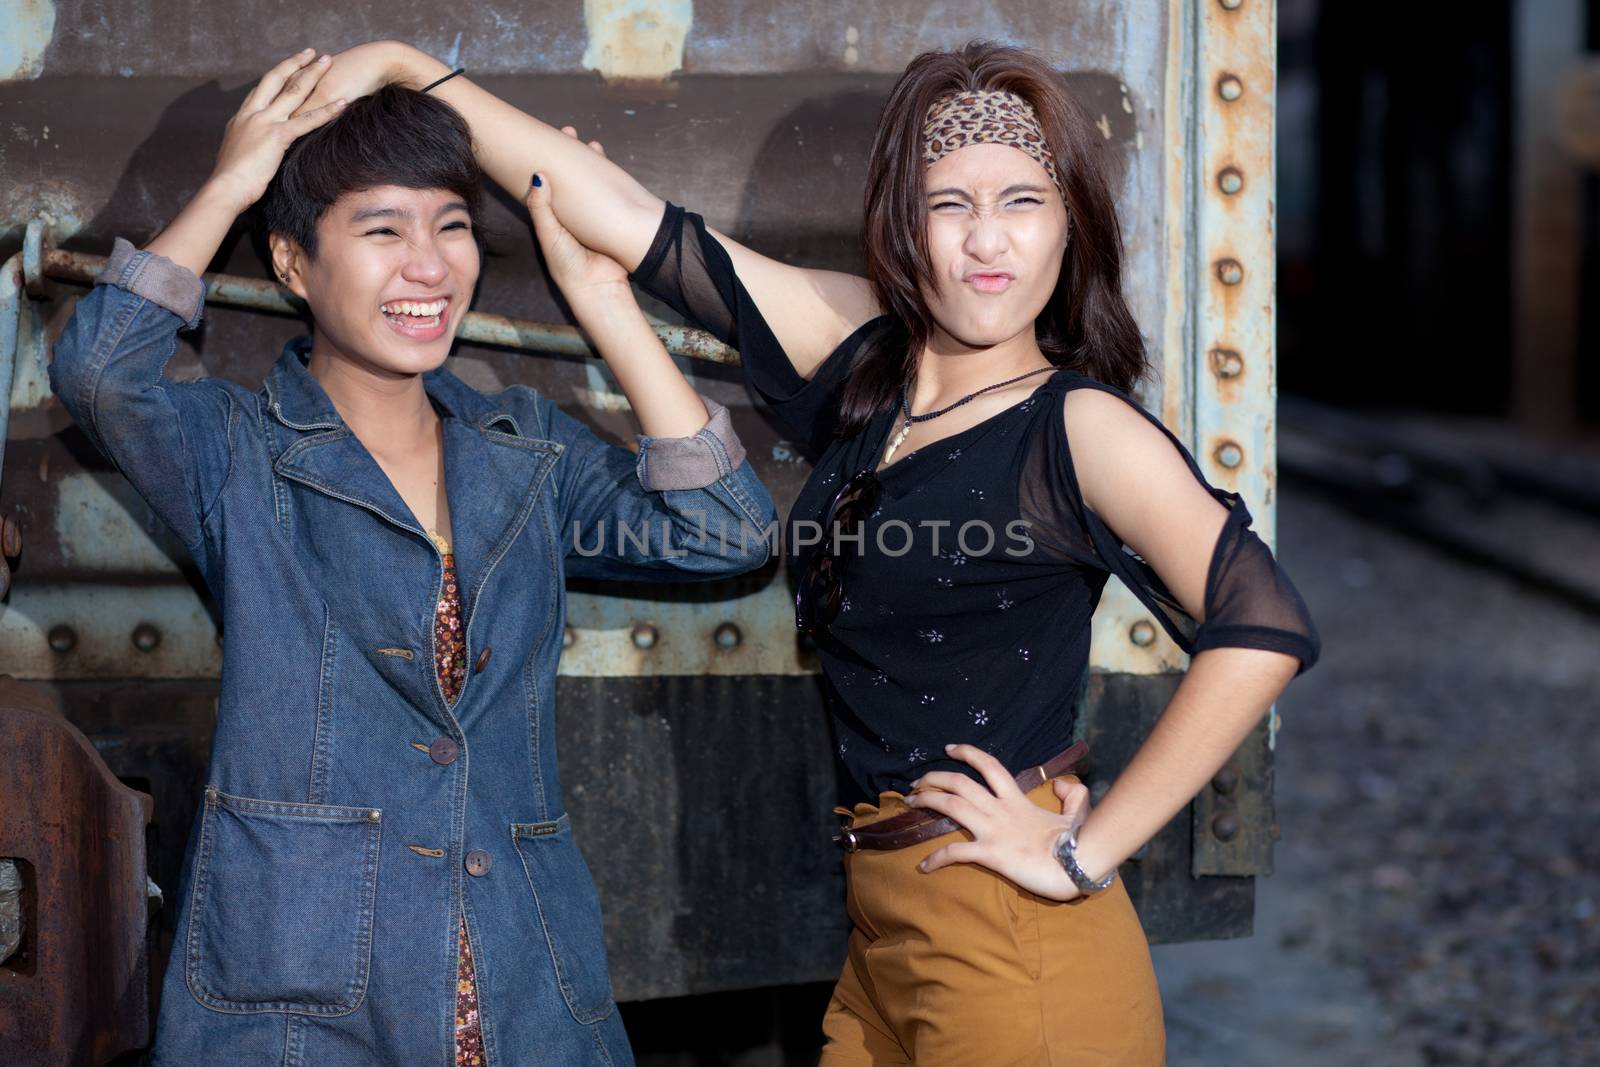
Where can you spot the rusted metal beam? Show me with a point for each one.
(479, 327)
(1231, 354)
(10, 306)
(77, 990)
(1547, 247)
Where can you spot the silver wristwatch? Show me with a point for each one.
(1067, 855)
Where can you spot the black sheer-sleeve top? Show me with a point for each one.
(966, 614)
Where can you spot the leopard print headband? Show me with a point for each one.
(985, 116)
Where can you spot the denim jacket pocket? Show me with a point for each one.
(281, 914)
(569, 912)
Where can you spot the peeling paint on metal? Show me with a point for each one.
(1111, 645)
(604, 393)
(952, 23)
(685, 643)
(102, 525)
(102, 618)
(63, 204)
(26, 27)
(30, 383)
(636, 40)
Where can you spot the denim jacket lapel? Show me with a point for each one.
(492, 479)
(326, 455)
(492, 471)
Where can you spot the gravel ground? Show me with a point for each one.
(1437, 896)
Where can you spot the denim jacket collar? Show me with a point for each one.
(492, 472)
(297, 399)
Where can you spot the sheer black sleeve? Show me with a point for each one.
(688, 269)
(1249, 600)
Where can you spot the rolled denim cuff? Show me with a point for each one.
(691, 462)
(157, 279)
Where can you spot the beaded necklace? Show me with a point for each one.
(905, 407)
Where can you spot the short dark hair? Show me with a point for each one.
(396, 136)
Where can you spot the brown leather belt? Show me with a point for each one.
(912, 827)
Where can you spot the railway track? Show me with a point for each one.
(1476, 490)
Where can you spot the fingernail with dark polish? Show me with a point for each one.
(536, 183)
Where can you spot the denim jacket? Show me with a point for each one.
(351, 819)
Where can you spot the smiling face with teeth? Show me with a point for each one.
(392, 276)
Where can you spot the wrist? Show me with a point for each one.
(411, 67)
(1092, 856)
(602, 301)
(224, 193)
(1082, 865)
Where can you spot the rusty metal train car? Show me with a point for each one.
(672, 700)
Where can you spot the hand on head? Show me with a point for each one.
(266, 125)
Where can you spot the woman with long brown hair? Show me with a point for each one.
(979, 473)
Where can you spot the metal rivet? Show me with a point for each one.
(1230, 181)
(1230, 88)
(1226, 781)
(10, 538)
(1226, 363)
(1225, 827)
(644, 636)
(62, 638)
(146, 637)
(728, 636)
(567, 637)
(374, 815)
(1142, 633)
(1230, 271)
(1230, 5)
(1229, 454)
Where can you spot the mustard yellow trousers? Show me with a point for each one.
(961, 968)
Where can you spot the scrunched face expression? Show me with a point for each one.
(997, 230)
(392, 278)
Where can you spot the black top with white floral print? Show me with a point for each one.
(966, 614)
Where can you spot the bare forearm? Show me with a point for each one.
(602, 204)
(193, 237)
(665, 403)
(1224, 694)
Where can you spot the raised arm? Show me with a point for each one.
(605, 208)
(172, 440)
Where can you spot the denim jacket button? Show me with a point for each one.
(443, 751)
(478, 863)
(483, 660)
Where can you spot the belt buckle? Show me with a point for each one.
(846, 839)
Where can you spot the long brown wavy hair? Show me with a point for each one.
(1086, 325)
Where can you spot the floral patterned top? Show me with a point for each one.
(450, 660)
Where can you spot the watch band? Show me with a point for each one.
(1066, 851)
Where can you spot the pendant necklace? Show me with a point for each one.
(905, 407)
